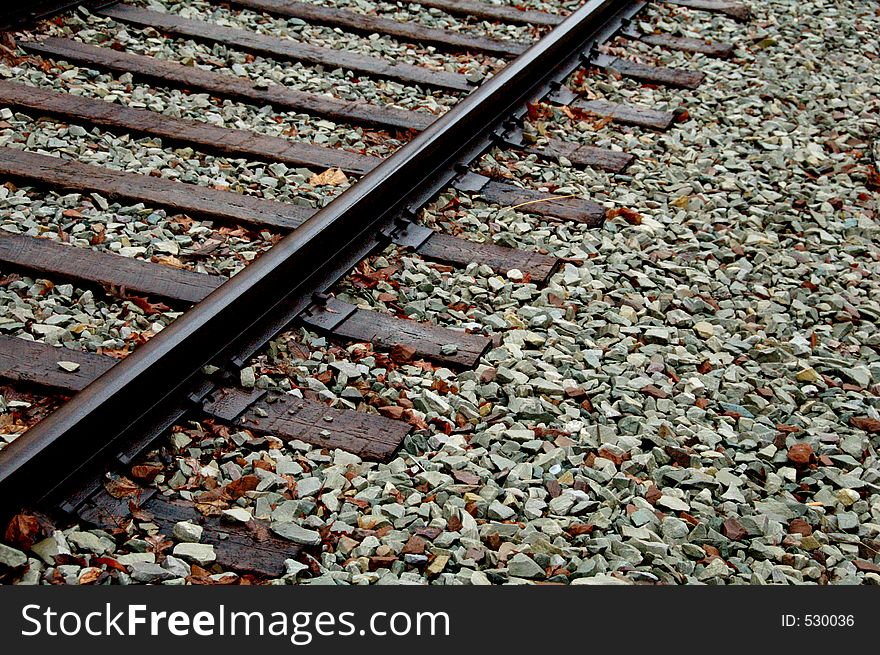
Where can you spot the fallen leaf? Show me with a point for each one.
(168, 260)
(22, 531)
(238, 488)
(110, 563)
(402, 354)
(148, 307)
(146, 472)
(90, 575)
(631, 216)
(873, 176)
(537, 111)
(330, 177)
(121, 487)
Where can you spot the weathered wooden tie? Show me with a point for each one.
(499, 13)
(346, 321)
(577, 154)
(229, 86)
(583, 156)
(736, 10)
(156, 191)
(627, 114)
(371, 436)
(283, 48)
(682, 43)
(233, 207)
(133, 275)
(211, 138)
(241, 143)
(339, 319)
(674, 77)
(243, 548)
(366, 24)
(576, 210)
(37, 363)
(499, 258)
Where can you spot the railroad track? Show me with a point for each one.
(197, 367)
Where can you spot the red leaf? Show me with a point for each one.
(109, 562)
(22, 531)
(146, 472)
(238, 488)
(402, 354)
(148, 307)
(631, 216)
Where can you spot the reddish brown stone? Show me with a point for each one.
(800, 526)
(653, 494)
(402, 354)
(488, 375)
(415, 546)
(429, 533)
(800, 453)
(654, 392)
(476, 554)
(865, 423)
(466, 477)
(575, 393)
(733, 530)
(492, 540)
(614, 457)
(711, 551)
(380, 562)
(782, 427)
(576, 529)
(865, 566)
(392, 411)
(688, 518)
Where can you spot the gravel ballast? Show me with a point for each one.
(694, 398)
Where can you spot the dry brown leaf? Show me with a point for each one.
(146, 472)
(630, 215)
(90, 575)
(121, 487)
(330, 177)
(22, 531)
(169, 260)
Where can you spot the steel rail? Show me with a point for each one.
(160, 381)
